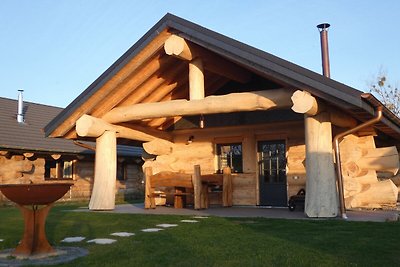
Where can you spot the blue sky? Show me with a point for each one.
(55, 49)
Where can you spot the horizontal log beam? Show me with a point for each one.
(88, 126)
(234, 102)
(185, 50)
(305, 103)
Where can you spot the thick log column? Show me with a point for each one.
(103, 193)
(321, 190)
(321, 193)
(196, 79)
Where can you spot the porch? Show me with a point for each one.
(254, 212)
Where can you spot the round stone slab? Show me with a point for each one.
(200, 217)
(73, 239)
(166, 225)
(122, 234)
(189, 221)
(102, 241)
(148, 230)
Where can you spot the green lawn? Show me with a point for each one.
(215, 241)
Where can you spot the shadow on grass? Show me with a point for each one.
(346, 243)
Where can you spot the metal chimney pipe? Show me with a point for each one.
(323, 31)
(20, 113)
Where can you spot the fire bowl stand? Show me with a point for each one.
(34, 241)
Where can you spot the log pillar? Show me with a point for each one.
(321, 194)
(196, 79)
(103, 193)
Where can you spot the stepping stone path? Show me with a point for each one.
(73, 239)
(102, 241)
(122, 234)
(1, 240)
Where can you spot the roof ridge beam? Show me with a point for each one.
(179, 47)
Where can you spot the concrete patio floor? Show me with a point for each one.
(256, 211)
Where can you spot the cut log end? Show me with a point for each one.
(304, 103)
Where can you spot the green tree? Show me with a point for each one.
(386, 92)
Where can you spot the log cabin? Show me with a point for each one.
(26, 156)
(193, 97)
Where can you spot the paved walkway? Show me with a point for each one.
(255, 211)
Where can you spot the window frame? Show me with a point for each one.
(230, 161)
(58, 167)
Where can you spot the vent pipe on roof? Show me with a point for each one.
(20, 114)
(323, 31)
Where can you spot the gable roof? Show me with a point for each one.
(135, 78)
(29, 136)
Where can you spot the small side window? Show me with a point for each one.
(58, 169)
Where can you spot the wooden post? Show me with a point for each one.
(103, 194)
(196, 79)
(321, 193)
(204, 196)
(196, 179)
(227, 187)
(179, 199)
(149, 201)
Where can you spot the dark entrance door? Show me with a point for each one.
(272, 171)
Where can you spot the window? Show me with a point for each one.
(58, 169)
(121, 171)
(230, 155)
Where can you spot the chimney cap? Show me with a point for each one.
(323, 26)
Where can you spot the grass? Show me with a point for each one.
(215, 241)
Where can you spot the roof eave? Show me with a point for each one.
(110, 72)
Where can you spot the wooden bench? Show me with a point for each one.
(184, 184)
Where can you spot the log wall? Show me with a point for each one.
(181, 155)
(19, 169)
(369, 173)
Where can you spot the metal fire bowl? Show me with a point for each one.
(35, 194)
